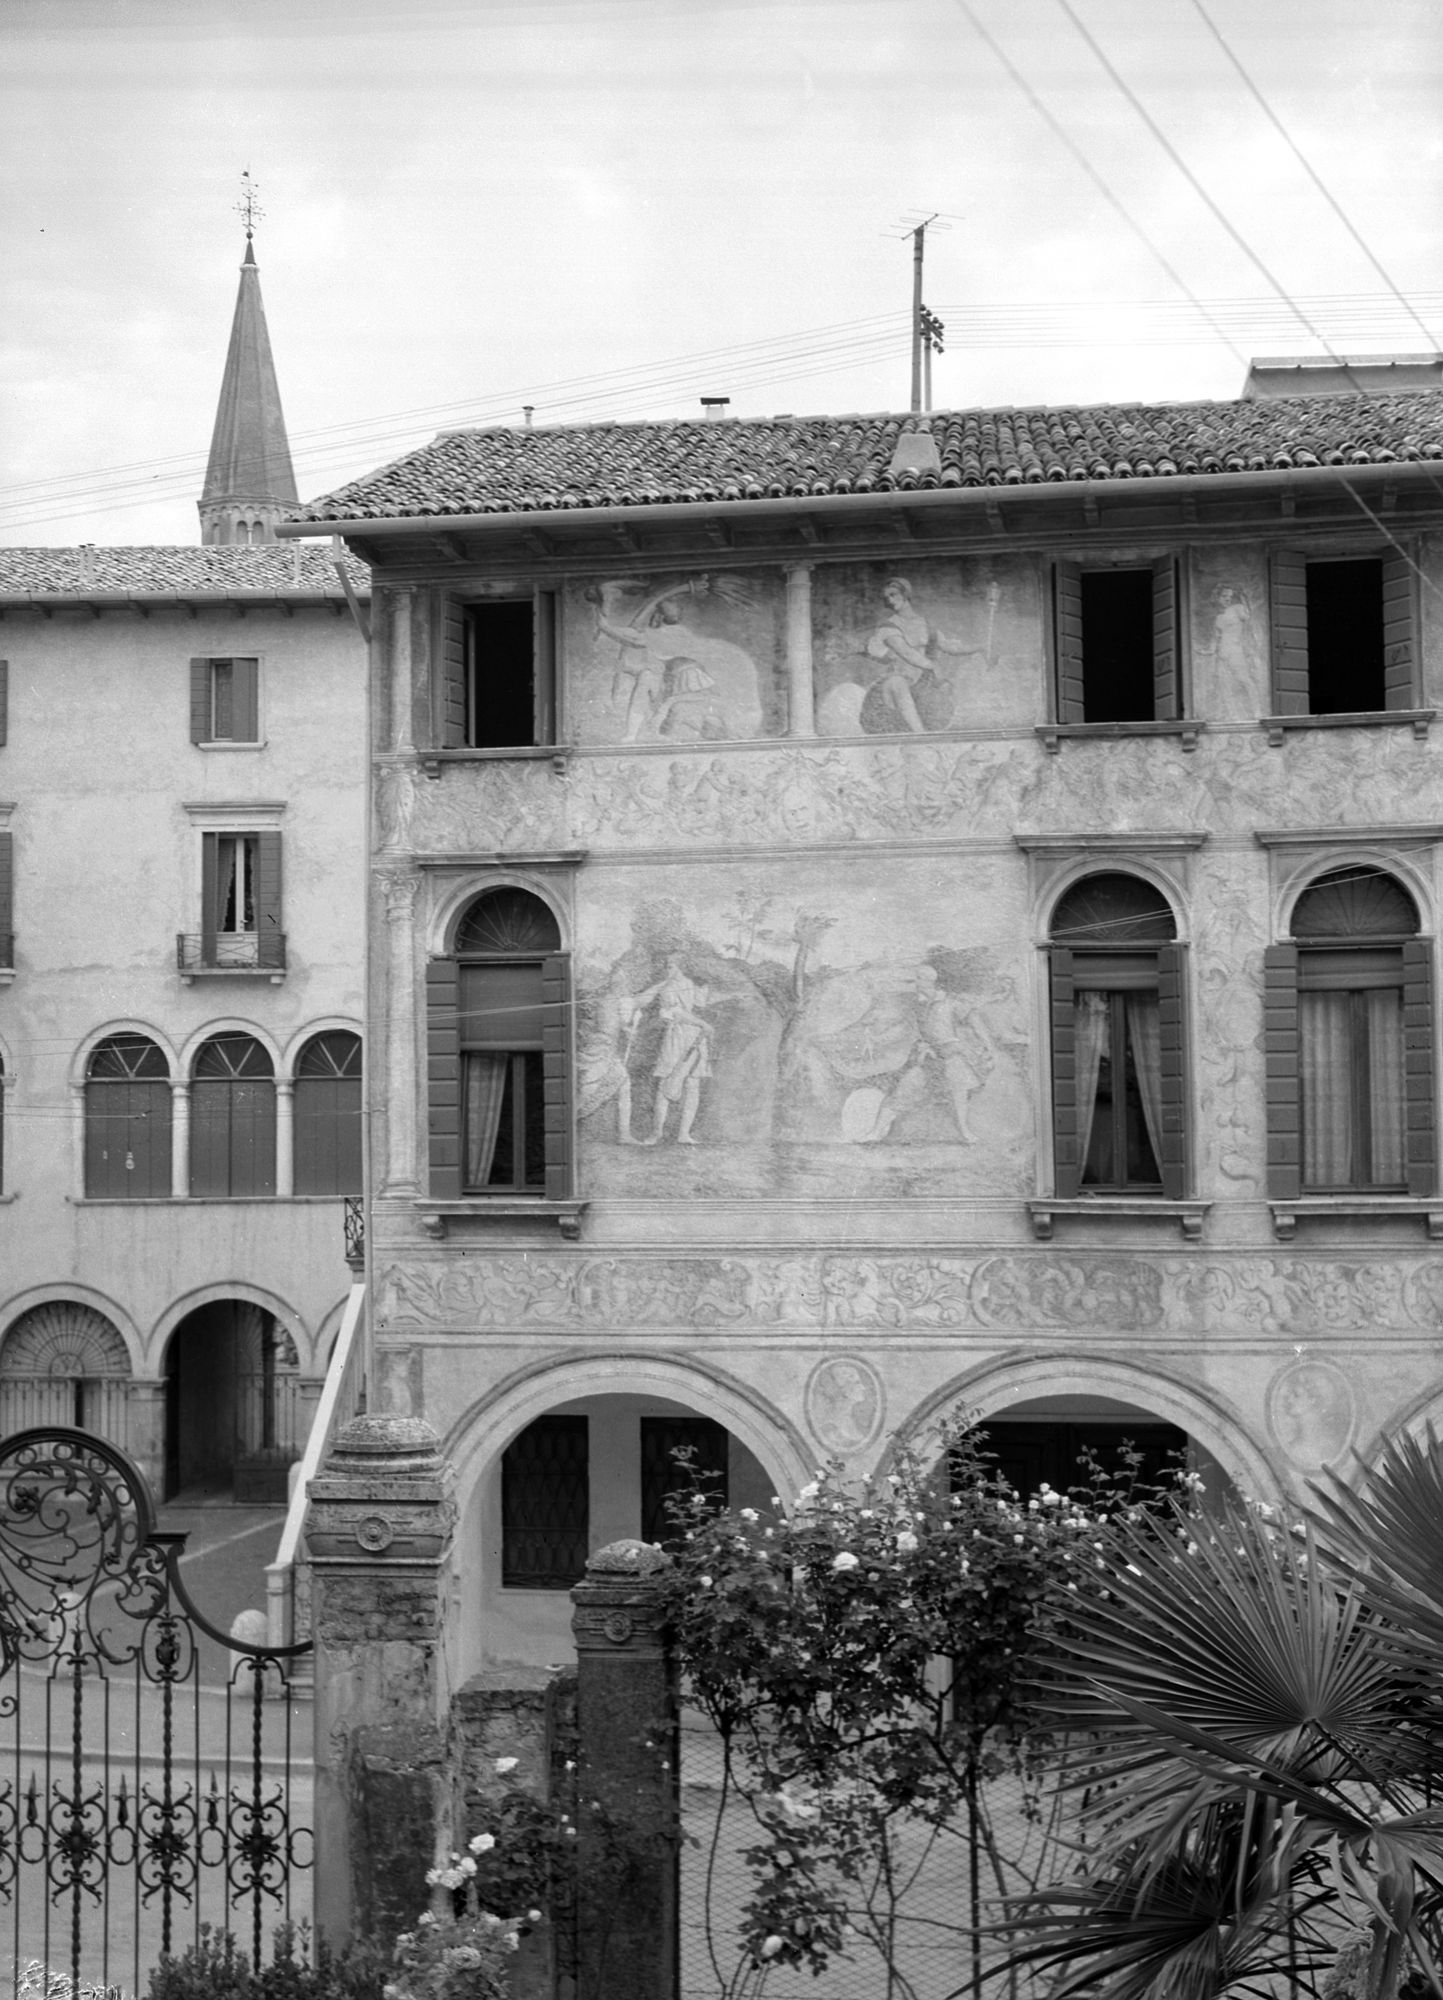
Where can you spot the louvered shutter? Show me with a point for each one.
(1173, 1065)
(451, 675)
(7, 899)
(1282, 1070)
(200, 701)
(1066, 1141)
(543, 641)
(270, 928)
(1419, 1142)
(209, 895)
(1399, 678)
(4, 700)
(1071, 686)
(1166, 674)
(556, 1072)
(1289, 578)
(443, 1077)
(245, 701)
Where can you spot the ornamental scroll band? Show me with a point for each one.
(130, 1807)
(1102, 1290)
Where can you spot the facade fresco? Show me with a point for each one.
(696, 659)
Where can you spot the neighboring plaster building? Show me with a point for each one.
(873, 916)
(181, 913)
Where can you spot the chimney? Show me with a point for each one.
(528, 411)
(715, 406)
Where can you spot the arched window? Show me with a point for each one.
(498, 1013)
(1350, 1042)
(1118, 1083)
(64, 1363)
(127, 1120)
(232, 1119)
(328, 1115)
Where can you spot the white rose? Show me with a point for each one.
(844, 1559)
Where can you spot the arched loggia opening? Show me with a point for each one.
(1057, 1440)
(234, 1421)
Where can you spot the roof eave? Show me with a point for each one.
(1161, 486)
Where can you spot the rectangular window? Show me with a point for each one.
(499, 1070)
(1118, 1073)
(241, 902)
(663, 1474)
(1343, 634)
(545, 1505)
(1116, 635)
(7, 898)
(225, 701)
(498, 673)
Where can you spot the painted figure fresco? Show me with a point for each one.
(910, 652)
(678, 661)
(763, 1046)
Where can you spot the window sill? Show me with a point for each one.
(436, 1216)
(1052, 733)
(275, 974)
(7, 974)
(559, 753)
(224, 743)
(1417, 720)
(1358, 1207)
(1188, 1215)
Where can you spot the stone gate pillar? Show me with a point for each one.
(379, 1536)
(628, 1832)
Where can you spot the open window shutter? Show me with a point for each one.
(1174, 1071)
(443, 1077)
(1066, 1146)
(4, 699)
(209, 894)
(1067, 599)
(1399, 679)
(245, 700)
(200, 701)
(1289, 574)
(556, 1071)
(451, 682)
(1283, 1072)
(270, 927)
(543, 641)
(1419, 1143)
(7, 898)
(1166, 681)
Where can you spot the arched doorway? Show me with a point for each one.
(233, 1417)
(65, 1363)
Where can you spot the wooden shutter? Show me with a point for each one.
(209, 895)
(1419, 1142)
(1289, 579)
(4, 700)
(270, 928)
(1282, 1069)
(1166, 677)
(543, 678)
(200, 701)
(556, 1072)
(7, 899)
(1067, 607)
(451, 675)
(1173, 1063)
(443, 1077)
(1399, 679)
(245, 701)
(1066, 1147)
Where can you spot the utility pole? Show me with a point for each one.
(919, 238)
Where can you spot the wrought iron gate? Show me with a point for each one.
(146, 1782)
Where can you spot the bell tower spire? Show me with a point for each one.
(249, 484)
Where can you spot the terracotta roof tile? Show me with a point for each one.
(618, 465)
(270, 569)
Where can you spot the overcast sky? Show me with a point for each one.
(608, 208)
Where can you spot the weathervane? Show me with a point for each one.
(248, 208)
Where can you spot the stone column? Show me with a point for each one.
(397, 1066)
(285, 1138)
(179, 1141)
(801, 696)
(379, 1535)
(628, 1840)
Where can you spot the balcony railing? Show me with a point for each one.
(230, 951)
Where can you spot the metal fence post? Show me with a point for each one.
(379, 1533)
(628, 1862)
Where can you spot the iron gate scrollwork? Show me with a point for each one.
(145, 1756)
